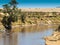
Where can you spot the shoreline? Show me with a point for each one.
(53, 39)
(25, 25)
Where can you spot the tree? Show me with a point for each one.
(10, 10)
(23, 17)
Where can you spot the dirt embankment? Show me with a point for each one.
(53, 39)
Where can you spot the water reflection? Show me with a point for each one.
(33, 38)
(10, 39)
(32, 35)
(35, 28)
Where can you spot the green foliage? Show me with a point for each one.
(23, 17)
(13, 2)
(30, 22)
(14, 18)
(53, 13)
(38, 17)
(42, 13)
(6, 21)
(12, 12)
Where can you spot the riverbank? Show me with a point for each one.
(54, 39)
(18, 27)
(22, 25)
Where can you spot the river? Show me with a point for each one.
(29, 35)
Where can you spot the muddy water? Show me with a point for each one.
(30, 35)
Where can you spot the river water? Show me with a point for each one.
(29, 35)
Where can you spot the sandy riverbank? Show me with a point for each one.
(54, 39)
